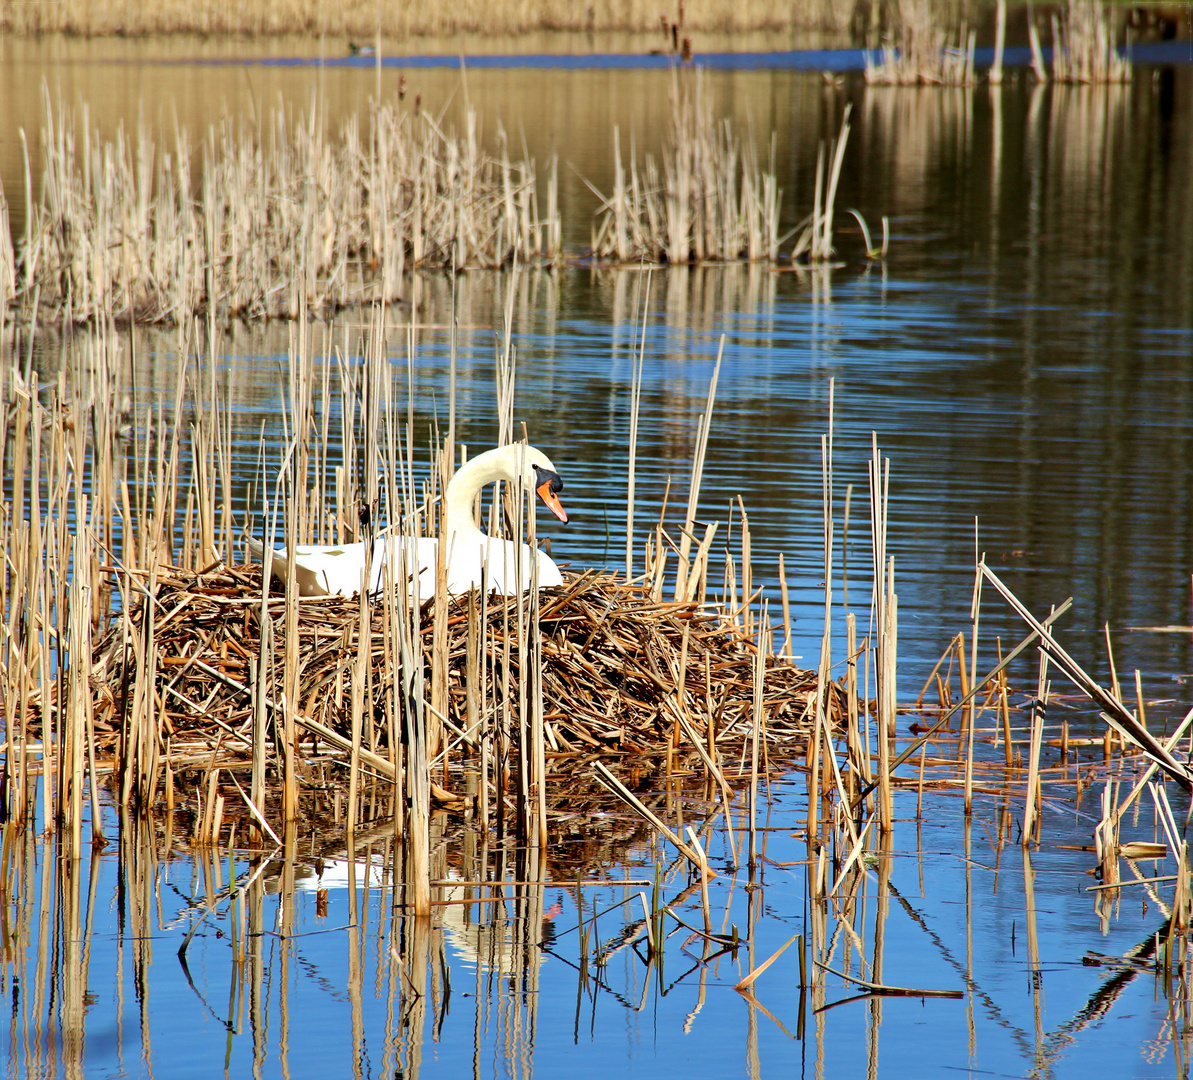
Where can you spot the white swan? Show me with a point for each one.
(338, 571)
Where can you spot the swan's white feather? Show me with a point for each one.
(472, 557)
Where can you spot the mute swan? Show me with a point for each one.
(338, 571)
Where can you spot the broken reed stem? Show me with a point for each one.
(1116, 714)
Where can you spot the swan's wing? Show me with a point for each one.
(502, 567)
(411, 559)
(549, 573)
(317, 570)
(276, 556)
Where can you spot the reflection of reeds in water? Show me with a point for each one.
(283, 221)
(923, 52)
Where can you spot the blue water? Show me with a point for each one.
(324, 989)
(814, 60)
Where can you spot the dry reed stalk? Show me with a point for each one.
(8, 262)
(1000, 40)
(975, 608)
(1038, 713)
(1039, 70)
(635, 407)
(684, 581)
(883, 616)
(815, 239)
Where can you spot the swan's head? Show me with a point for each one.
(543, 477)
(527, 467)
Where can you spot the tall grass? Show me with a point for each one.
(706, 199)
(923, 51)
(281, 220)
(365, 18)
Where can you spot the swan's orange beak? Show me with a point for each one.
(552, 500)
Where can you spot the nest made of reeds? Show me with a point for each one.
(621, 672)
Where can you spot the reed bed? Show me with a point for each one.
(712, 201)
(282, 220)
(363, 18)
(449, 747)
(1083, 48)
(142, 668)
(145, 671)
(923, 52)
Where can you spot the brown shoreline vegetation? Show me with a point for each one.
(286, 221)
(365, 18)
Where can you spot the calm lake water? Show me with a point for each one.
(1025, 359)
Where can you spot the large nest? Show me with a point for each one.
(621, 672)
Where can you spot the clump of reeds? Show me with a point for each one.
(922, 51)
(708, 198)
(282, 222)
(1083, 49)
(711, 201)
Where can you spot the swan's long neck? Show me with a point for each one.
(466, 485)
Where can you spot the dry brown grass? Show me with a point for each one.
(923, 50)
(707, 200)
(361, 18)
(282, 221)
